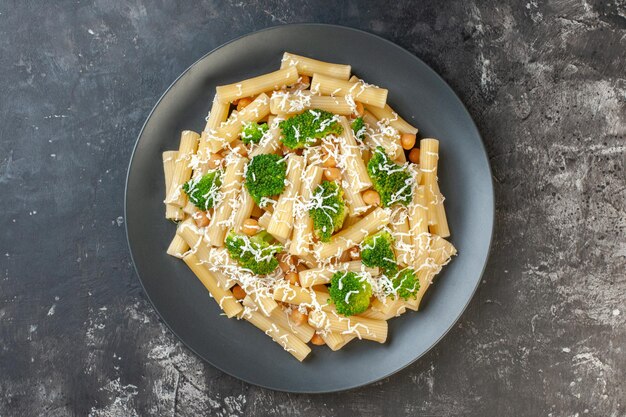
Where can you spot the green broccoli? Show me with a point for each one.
(358, 127)
(350, 292)
(327, 209)
(377, 251)
(306, 128)
(203, 190)
(392, 181)
(256, 253)
(265, 177)
(253, 132)
(405, 283)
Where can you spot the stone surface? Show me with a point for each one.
(545, 334)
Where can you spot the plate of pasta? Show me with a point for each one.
(285, 208)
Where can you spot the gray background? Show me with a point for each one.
(545, 333)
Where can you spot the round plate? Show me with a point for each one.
(237, 347)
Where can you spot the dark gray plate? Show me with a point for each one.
(236, 347)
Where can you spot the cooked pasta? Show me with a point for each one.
(298, 210)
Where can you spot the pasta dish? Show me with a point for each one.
(308, 207)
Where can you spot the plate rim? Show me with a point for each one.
(491, 194)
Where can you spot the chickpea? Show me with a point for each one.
(332, 174)
(329, 161)
(371, 198)
(293, 278)
(250, 227)
(355, 253)
(298, 318)
(414, 155)
(239, 292)
(243, 102)
(305, 79)
(407, 140)
(201, 219)
(317, 340)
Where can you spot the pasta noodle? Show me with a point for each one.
(359, 91)
(394, 120)
(282, 218)
(290, 103)
(354, 234)
(282, 242)
(257, 85)
(231, 128)
(282, 336)
(224, 298)
(354, 166)
(231, 185)
(322, 275)
(303, 224)
(182, 170)
(309, 66)
(429, 155)
(172, 211)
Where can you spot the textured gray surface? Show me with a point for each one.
(545, 333)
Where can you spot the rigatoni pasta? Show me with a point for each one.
(298, 210)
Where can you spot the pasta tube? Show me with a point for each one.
(322, 275)
(385, 311)
(359, 91)
(282, 218)
(172, 211)
(429, 156)
(309, 66)
(352, 163)
(244, 209)
(296, 295)
(271, 142)
(217, 116)
(231, 128)
(395, 121)
(280, 335)
(333, 340)
(223, 297)
(300, 101)
(182, 169)
(385, 136)
(354, 234)
(400, 230)
(363, 328)
(279, 316)
(178, 247)
(356, 204)
(303, 224)
(440, 252)
(231, 186)
(257, 85)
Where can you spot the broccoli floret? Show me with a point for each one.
(392, 181)
(306, 128)
(350, 292)
(405, 283)
(253, 132)
(203, 190)
(358, 127)
(327, 209)
(256, 253)
(377, 251)
(265, 176)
